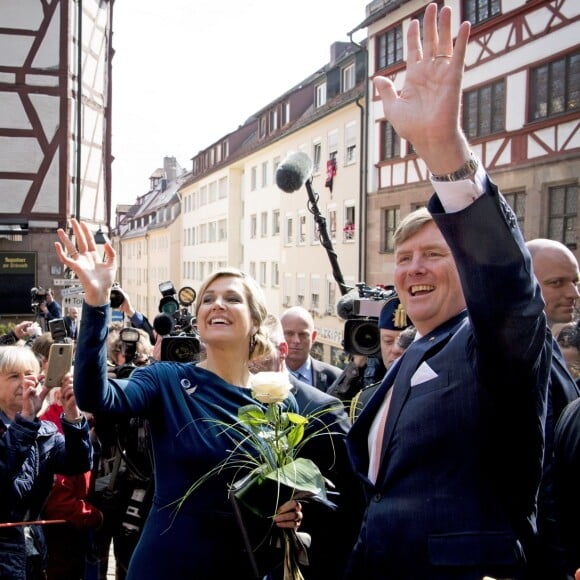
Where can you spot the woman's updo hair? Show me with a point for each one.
(259, 345)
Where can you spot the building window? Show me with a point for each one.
(350, 143)
(302, 228)
(320, 95)
(285, 113)
(332, 224)
(275, 164)
(390, 142)
(203, 195)
(517, 201)
(273, 120)
(316, 157)
(264, 224)
(289, 230)
(212, 231)
(276, 222)
(563, 207)
(389, 222)
(287, 291)
(275, 274)
(300, 289)
(390, 47)
(253, 226)
(332, 139)
(223, 188)
(263, 126)
(477, 11)
(484, 110)
(315, 294)
(349, 221)
(253, 270)
(555, 87)
(212, 197)
(222, 230)
(264, 174)
(263, 273)
(253, 178)
(348, 78)
(330, 296)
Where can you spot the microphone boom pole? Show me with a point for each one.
(325, 238)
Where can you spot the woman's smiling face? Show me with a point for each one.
(223, 313)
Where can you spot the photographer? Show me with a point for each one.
(125, 355)
(120, 300)
(49, 308)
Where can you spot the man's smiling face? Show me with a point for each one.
(427, 280)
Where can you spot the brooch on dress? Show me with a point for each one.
(187, 386)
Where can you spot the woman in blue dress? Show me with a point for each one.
(184, 404)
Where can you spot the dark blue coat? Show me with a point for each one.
(31, 452)
(462, 453)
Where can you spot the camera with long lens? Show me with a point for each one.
(116, 297)
(129, 338)
(37, 297)
(361, 309)
(176, 324)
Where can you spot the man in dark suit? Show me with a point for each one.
(567, 465)
(450, 447)
(556, 270)
(333, 533)
(71, 321)
(300, 335)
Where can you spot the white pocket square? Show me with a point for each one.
(423, 374)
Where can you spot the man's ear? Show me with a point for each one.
(314, 335)
(283, 350)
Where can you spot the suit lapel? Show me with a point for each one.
(419, 351)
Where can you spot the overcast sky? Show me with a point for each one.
(187, 72)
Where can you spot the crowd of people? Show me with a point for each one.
(452, 454)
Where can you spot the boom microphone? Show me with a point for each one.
(293, 172)
(345, 306)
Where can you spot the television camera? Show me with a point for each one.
(37, 297)
(176, 324)
(361, 308)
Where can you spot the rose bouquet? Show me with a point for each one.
(268, 469)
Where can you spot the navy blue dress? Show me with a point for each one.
(184, 405)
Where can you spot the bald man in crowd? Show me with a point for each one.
(300, 335)
(556, 269)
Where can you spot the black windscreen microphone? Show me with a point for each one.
(163, 324)
(293, 172)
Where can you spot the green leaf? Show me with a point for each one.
(252, 415)
(300, 475)
(295, 435)
(263, 495)
(297, 419)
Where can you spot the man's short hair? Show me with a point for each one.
(411, 224)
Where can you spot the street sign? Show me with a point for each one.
(64, 282)
(72, 291)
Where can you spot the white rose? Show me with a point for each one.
(270, 387)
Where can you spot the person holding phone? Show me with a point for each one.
(32, 451)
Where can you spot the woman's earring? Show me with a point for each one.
(252, 343)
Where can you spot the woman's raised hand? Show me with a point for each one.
(96, 273)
